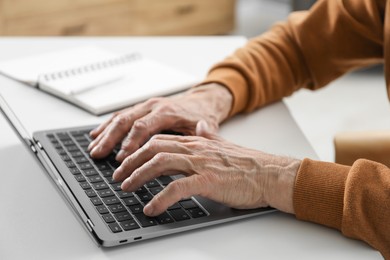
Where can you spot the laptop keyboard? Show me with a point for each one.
(120, 210)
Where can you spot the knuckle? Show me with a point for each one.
(152, 145)
(136, 175)
(167, 108)
(120, 120)
(139, 125)
(160, 158)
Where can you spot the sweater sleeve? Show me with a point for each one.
(309, 50)
(355, 200)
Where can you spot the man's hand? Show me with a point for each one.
(135, 125)
(214, 168)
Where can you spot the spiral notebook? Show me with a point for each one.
(97, 80)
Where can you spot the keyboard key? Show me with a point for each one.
(156, 190)
(138, 208)
(85, 185)
(102, 209)
(99, 185)
(61, 151)
(68, 142)
(80, 178)
(80, 160)
(116, 208)
(111, 160)
(85, 166)
(164, 218)
(130, 201)
(72, 148)
(105, 193)
(122, 216)
(141, 190)
(111, 180)
(51, 137)
(108, 218)
(96, 201)
(145, 197)
(81, 140)
(165, 180)
(115, 228)
(90, 172)
(116, 186)
(90, 193)
(174, 206)
(77, 133)
(188, 204)
(124, 194)
(107, 173)
(101, 165)
(129, 225)
(76, 154)
(63, 136)
(179, 214)
(75, 171)
(197, 213)
(65, 158)
(70, 164)
(145, 221)
(152, 184)
(95, 178)
(111, 200)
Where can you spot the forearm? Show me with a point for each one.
(306, 51)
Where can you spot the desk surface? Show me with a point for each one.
(37, 223)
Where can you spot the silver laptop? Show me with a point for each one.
(111, 216)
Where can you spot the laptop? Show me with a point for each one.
(111, 216)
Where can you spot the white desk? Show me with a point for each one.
(35, 223)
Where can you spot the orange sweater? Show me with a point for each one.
(309, 50)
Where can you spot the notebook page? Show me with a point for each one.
(145, 78)
(28, 69)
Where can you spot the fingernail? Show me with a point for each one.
(94, 151)
(92, 132)
(117, 173)
(149, 210)
(122, 154)
(91, 144)
(125, 185)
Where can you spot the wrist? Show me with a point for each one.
(218, 99)
(280, 183)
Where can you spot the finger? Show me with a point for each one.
(145, 154)
(98, 130)
(175, 191)
(161, 164)
(115, 132)
(142, 130)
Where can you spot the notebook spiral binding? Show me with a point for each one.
(92, 67)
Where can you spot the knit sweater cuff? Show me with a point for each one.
(319, 192)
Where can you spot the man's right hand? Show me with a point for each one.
(133, 126)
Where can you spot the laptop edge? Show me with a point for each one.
(40, 147)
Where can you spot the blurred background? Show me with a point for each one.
(142, 17)
(320, 114)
